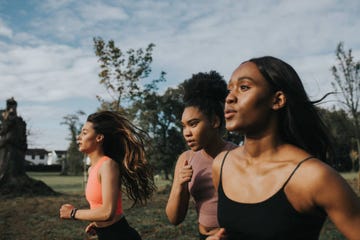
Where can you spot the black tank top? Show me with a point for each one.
(272, 219)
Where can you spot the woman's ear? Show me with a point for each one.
(279, 100)
(99, 137)
(216, 122)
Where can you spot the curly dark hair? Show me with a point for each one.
(207, 92)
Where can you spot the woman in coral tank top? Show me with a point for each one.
(116, 150)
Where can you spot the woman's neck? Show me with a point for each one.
(95, 157)
(261, 147)
(215, 147)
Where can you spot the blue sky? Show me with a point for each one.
(47, 61)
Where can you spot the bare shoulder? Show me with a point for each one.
(316, 168)
(109, 165)
(182, 157)
(222, 155)
(316, 175)
(309, 168)
(218, 159)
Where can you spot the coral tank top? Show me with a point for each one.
(93, 191)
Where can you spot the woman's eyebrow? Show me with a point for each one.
(244, 78)
(239, 79)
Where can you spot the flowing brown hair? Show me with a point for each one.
(124, 143)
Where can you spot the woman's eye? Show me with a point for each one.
(244, 87)
(193, 124)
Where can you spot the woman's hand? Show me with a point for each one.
(90, 229)
(65, 211)
(219, 235)
(186, 173)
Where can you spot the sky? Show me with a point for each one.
(48, 64)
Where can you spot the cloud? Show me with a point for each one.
(44, 121)
(4, 30)
(48, 73)
(49, 65)
(102, 12)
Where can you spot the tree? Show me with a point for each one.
(121, 72)
(347, 82)
(73, 161)
(159, 116)
(341, 127)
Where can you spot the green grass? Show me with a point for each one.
(149, 220)
(62, 184)
(350, 175)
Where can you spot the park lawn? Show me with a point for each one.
(62, 184)
(38, 217)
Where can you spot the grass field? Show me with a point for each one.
(37, 217)
(62, 184)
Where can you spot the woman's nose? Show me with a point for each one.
(186, 132)
(230, 98)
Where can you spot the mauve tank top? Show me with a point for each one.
(272, 219)
(93, 188)
(201, 186)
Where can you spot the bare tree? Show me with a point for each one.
(347, 81)
(72, 161)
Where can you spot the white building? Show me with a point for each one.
(36, 156)
(40, 156)
(55, 157)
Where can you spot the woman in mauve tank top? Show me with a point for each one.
(203, 129)
(279, 184)
(116, 151)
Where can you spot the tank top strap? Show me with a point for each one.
(297, 166)
(222, 164)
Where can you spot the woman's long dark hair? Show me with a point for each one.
(300, 122)
(207, 92)
(124, 143)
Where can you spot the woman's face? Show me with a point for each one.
(88, 140)
(196, 128)
(249, 102)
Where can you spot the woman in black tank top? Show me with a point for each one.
(278, 185)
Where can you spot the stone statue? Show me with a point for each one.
(13, 143)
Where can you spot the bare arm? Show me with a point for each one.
(340, 202)
(178, 202)
(109, 174)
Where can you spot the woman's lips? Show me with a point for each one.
(191, 143)
(229, 114)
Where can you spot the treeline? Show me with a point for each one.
(125, 76)
(342, 129)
